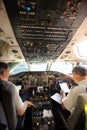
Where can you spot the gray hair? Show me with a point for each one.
(82, 71)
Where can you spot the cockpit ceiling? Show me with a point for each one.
(44, 28)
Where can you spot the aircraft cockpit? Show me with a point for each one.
(42, 40)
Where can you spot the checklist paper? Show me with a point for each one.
(57, 97)
(64, 87)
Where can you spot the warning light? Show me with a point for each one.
(28, 8)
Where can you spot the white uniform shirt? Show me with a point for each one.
(70, 101)
(18, 101)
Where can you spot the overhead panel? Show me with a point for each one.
(43, 28)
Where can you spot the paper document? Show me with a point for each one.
(57, 97)
(64, 87)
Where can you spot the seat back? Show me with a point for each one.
(3, 119)
(8, 104)
(77, 118)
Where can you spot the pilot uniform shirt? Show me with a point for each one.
(70, 100)
(18, 101)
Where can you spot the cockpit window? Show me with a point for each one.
(81, 49)
(63, 67)
(18, 67)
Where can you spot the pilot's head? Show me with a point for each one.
(4, 71)
(79, 73)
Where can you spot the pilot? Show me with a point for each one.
(69, 102)
(20, 105)
(80, 78)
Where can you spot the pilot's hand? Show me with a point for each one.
(62, 93)
(68, 76)
(30, 104)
